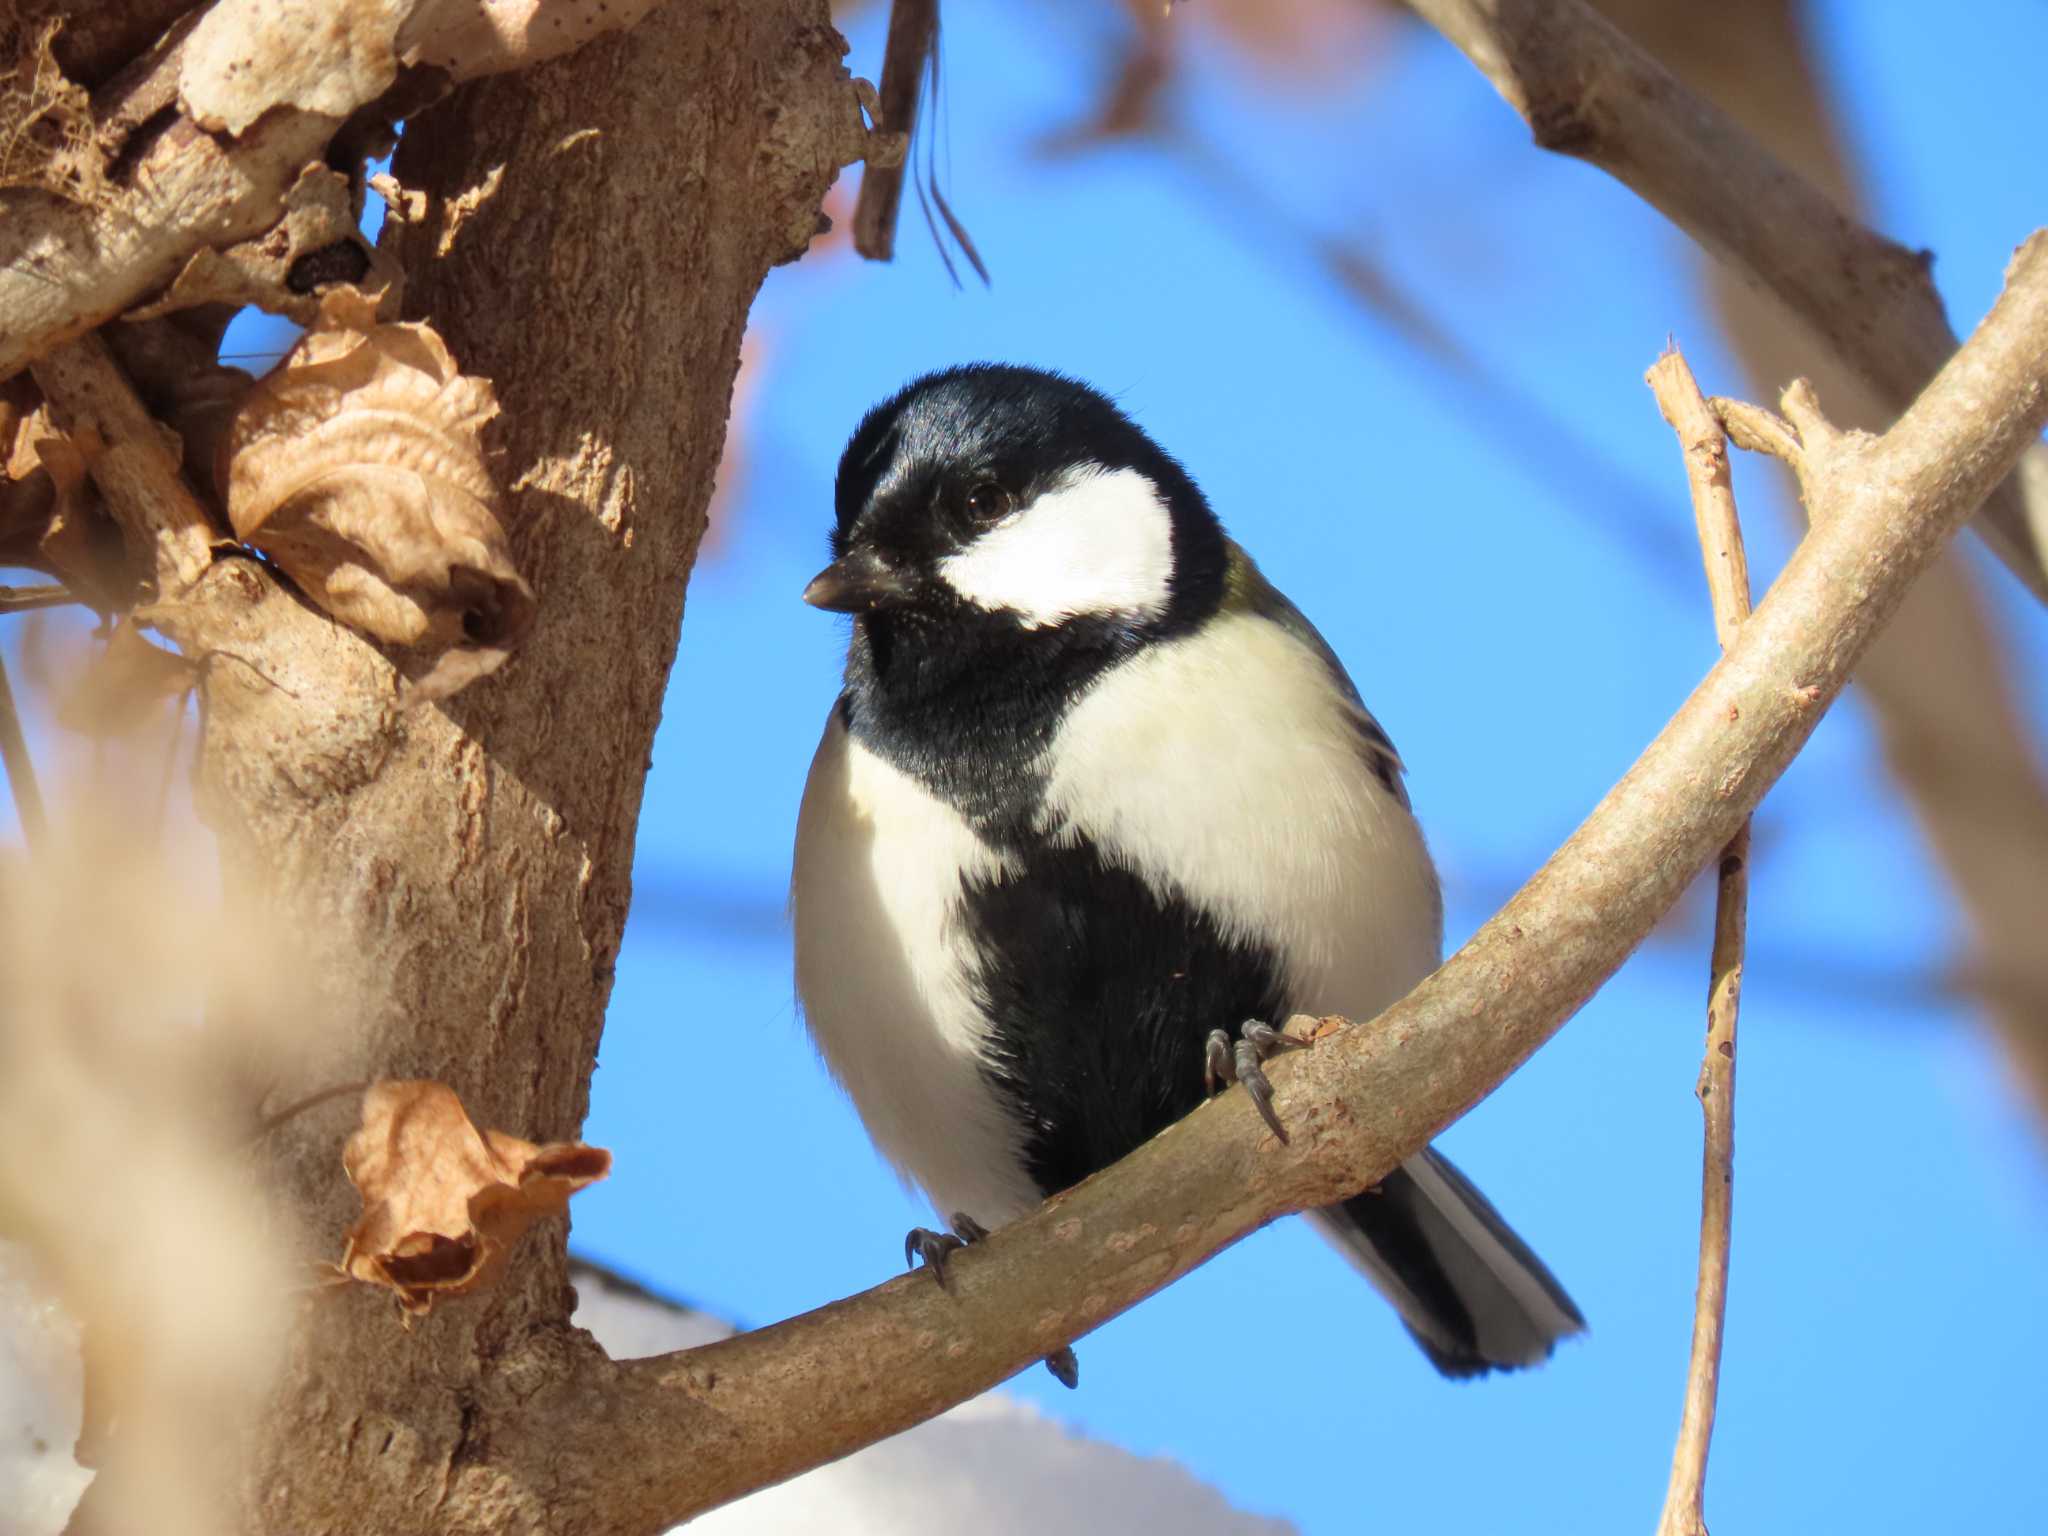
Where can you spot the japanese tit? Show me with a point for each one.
(1096, 797)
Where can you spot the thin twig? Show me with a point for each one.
(170, 773)
(1757, 430)
(21, 770)
(291, 1111)
(913, 29)
(1713, 497)
(1705, 447)
(28, 599)
(166, 527)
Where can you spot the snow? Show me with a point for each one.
(42, 1399)
(994, 1466)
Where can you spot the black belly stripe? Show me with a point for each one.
(1100, 994)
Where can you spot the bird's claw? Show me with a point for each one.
(934, 1248)
(1066, 1370)
(1242, 1061)
(922, 1244)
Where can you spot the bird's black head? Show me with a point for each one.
(1006, 499)
(1003, 537)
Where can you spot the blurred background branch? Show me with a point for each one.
(1938, 683)
(1586, 91)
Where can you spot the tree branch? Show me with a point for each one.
(167, 529)
(1588, 92)
(1938, 684)
(21, 770)
(280, 90)
(1705, 448)
(702, 1427)
(913, 34)
(42, 595)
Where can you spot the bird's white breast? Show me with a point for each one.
(880, 968)
(1226, 766)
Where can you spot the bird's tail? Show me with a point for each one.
(1473, 1295)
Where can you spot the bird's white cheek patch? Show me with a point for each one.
(1100, 544)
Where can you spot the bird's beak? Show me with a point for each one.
(857, 582)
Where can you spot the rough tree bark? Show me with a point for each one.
(598, 229)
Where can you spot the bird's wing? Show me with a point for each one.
(1247, 590)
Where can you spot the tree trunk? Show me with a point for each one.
(596, 233)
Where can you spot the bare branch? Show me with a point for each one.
(1587, 91)
(167, 529)
(1756, 430)
(1713, 497)
(282, 90)
(704, 1426)
(1938, 684)
(913, 33)
(21, 769)
(1705, 449)
(42, 595)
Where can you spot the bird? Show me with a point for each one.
(1096, 811)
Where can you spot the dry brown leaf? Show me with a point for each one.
(51, 519)
(125, 686)
(46, 123)
(283, 269)
(247, 56)
(443, 1203)
(468, 39)
(357, 465)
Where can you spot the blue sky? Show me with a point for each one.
(1522, 609)
(1522, 632)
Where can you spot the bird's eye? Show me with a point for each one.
(988, 502)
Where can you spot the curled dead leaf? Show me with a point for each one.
(357, 465)
(333, 56)
(285, 269)
(443, 1202)
(125, 686)
(51, 519)
(248, 56)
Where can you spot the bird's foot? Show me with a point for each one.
(1241, 1061)
(934, 1248)
(1066, 1370)
(922, 1244)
